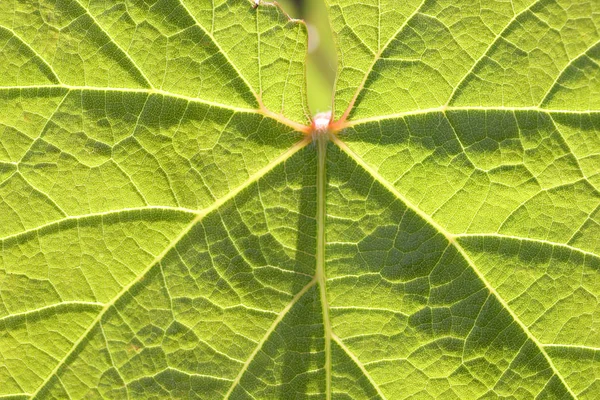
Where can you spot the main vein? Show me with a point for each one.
(320, 270)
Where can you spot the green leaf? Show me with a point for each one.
(172, 225)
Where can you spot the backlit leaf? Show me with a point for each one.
(172, 225)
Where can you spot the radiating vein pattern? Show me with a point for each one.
(170, 230)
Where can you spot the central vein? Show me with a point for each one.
(322, 140)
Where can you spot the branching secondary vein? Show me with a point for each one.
(359, 364)
(270, 330)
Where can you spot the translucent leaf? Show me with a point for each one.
(173, 225)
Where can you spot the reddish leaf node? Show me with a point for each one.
(320, 124)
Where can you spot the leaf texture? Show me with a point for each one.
(173, 227)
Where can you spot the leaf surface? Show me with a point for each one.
(173, 227)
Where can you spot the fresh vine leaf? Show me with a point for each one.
(173, 225)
